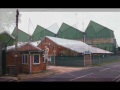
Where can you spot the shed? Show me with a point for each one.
(29, 58)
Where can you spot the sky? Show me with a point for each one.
(77, 19)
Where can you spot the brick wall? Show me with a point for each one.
(87, 60)
(99, 40)
(25, 68)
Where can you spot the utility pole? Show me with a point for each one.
(16, 41)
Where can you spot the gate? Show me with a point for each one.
(75, 61)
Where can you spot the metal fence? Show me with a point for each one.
(96, 60)
(78, 61)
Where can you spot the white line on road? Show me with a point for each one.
(116, 65)
(81, 76)
(104, 69)
(116, 77)
(118, 80)
(69, 73)
(66, 73)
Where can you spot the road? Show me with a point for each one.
(105, 73)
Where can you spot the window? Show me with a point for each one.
(43, 58)
(36, 59)
(24, 59)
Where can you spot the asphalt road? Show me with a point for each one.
(105, 73)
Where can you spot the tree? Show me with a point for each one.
(8, 20)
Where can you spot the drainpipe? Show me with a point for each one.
(30, 63)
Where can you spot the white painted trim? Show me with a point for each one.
(22, 58)
(33, 59)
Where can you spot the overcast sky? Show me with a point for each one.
(77, 19)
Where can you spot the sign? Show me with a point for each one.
(87, 52)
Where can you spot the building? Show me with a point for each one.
(40, 32)
(59, 47)
(22, 36)
(100, 36)
(95, 35)
(29, 58)
(68, 32)
(5, 40)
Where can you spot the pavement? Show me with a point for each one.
(50, 70)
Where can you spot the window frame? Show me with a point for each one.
(23, 58)
(33, 59)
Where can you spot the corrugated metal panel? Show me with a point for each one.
(96, 60)
(104, 33)
(40, 33)
(76, 61)
(53, 28)
(108, 47)
(6, 38)
(97, 27)
(22, 36)
(69, 32)
(90, 33)
(95, 30)
(99, 31)
(77, 46)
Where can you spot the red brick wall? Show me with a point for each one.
(38, 67)
(27, 47)
(47, 42)
(87, 60)
(10, 60)
(59, 49)
(25, 68)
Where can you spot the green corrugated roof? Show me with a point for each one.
(109, 47)
(69, 32)
(40, 33)
(90, 32)
(6, 38)
(97, 27)
(22, 36)
(99, 31)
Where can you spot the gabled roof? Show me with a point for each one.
(37, 30)
(97, 27)
(63, 27)
(22, 36)
(40, 33)
(35, 43)
(69, 32)
(6, 38)
(21, 45)
(53, 28)
(77, 46)
(96, 30)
